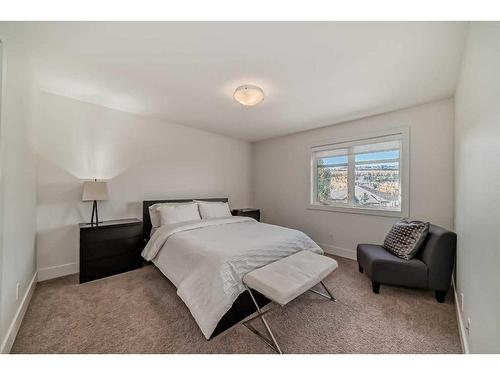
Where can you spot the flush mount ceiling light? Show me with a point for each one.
(248, 95)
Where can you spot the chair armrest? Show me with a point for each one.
(438, 254)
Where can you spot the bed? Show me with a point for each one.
(206, 261)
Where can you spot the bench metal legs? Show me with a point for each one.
(273, 343)
(329, 296)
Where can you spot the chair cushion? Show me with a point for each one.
(289, 277)
(386, 268)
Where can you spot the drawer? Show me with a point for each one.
(109, 266)
(109, 233)
(110, 248)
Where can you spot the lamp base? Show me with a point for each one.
(94, 212)
(93, 223)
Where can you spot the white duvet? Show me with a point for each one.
(207, 259)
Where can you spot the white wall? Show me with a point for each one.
(2, 94)
(281, 177)
(18, 186)
(142, 158)
(477, 177)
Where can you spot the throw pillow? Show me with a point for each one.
(406, 237)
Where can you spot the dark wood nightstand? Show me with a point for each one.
(111, 247)
(250, 212)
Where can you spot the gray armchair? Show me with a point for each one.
(430, 269)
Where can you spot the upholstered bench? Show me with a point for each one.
(285, 280)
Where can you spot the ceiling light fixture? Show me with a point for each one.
(248, 95)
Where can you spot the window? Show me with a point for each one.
(363, 176)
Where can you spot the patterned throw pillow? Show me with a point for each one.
(406, 237)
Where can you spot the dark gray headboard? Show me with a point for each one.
(146, 220)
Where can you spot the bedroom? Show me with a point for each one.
(160, 179)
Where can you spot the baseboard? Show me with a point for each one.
(339, 251)
(18, 317)
(464, 342)
(48, 273)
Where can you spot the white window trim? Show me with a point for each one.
(404, 173)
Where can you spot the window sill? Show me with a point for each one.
(358, 211)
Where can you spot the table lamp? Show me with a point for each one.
(94, 191)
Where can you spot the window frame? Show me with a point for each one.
(404, 172)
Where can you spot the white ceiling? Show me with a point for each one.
(313, 74)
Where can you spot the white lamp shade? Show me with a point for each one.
(249, 95)
(95, 191)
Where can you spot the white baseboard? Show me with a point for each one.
(464, 342)
(48, 273)
(18, 317)
(339, 251)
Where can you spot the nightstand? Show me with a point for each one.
(111, 247)
(250, 212)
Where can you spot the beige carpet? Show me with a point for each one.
(139, 312)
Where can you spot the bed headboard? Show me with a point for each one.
(146, 220)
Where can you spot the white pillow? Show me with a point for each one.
(154, 214)
(179, 213)
(211, 210)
